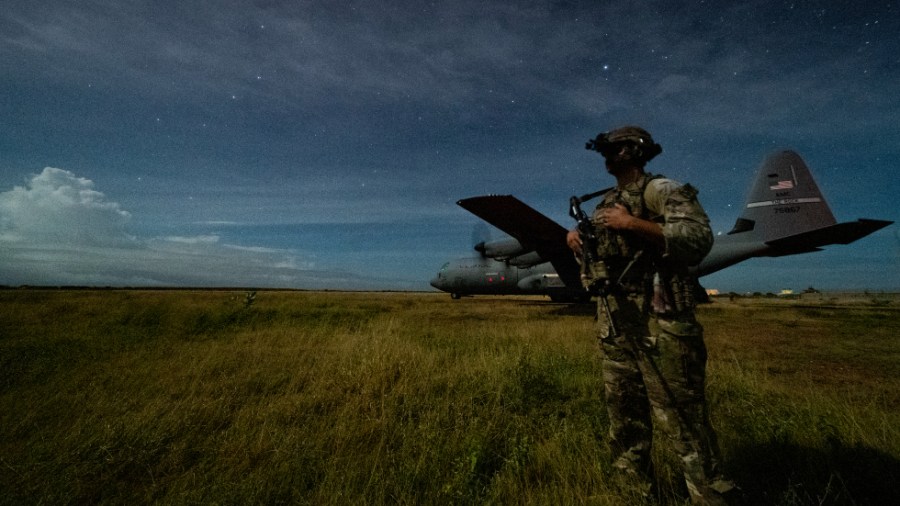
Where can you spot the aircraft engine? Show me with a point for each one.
(541, 282)
(501, 249)
(526, 260)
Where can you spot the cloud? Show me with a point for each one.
(59, 230)
(59, 208)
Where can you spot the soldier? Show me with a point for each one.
(648, 231)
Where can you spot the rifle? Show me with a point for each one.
(585, 229)
(589, 261)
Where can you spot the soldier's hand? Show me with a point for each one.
(616, 217)
(619, 218)
(573, 239)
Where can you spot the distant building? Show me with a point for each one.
(786, 292)
(712, 291)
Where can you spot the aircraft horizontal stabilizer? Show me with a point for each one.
(841, 233)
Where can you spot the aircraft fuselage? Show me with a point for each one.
(486, 276)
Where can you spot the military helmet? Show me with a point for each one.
(609, 143)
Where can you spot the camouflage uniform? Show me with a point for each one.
(654, 366)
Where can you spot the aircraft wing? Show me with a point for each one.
(532, 229)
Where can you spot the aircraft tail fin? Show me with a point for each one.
(786, 211)
(784, 201)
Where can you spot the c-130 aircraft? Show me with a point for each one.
(785, 214)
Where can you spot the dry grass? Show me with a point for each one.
(329, 398)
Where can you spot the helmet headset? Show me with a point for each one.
(639, 145)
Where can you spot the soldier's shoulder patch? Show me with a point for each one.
(662, 185)
(658, 191)
(688, 191)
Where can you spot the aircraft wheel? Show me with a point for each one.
(455, 296)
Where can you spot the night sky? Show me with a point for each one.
(323, 144)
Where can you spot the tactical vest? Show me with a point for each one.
(625, 256)
(631, 264)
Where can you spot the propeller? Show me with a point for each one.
(480, 235)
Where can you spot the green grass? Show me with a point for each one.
(186, 397)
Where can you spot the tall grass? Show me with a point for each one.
(807, 397)
(328, 398)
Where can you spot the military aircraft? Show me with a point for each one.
(785, 214)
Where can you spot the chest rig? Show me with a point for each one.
(623, 259)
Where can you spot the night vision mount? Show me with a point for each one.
(609, 143)
(599, 144)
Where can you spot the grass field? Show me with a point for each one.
(212, 397)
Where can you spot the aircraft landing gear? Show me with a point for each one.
(455, 296)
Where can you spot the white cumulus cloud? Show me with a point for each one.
(59, 230)
(58, 208)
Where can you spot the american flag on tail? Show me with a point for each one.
(782, 185)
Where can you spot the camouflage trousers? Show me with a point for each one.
(654, 371)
